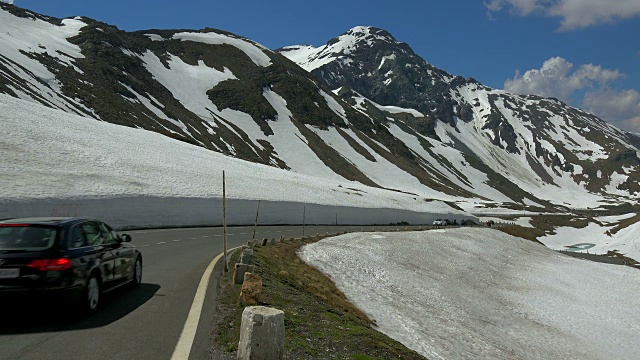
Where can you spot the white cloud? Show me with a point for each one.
(575, 14)
(556, 79)
(7, 1)
(519, 7)
(553, 79)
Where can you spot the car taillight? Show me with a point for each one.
(50, 264)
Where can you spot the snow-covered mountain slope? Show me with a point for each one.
(525, 147)
(233, 96)
(208, 88)
(73, 157)
(484, 294)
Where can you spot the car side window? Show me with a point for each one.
(78, 239)
(92, 234)
(106, 234)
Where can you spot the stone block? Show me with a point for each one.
(264, 242)
(261, 334)
(240, 270)
(247, 256)
(273, 241)
(251, 289)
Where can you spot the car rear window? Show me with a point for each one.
(27, 237)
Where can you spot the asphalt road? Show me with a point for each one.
(143, 323)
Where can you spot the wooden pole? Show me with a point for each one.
(256, 225)
(224, 221)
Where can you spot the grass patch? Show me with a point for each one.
(521, 232)
(542, 225)
(228, 330)
(363, 357)
(625, 223)
(320, 323)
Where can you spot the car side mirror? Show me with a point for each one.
(125, 238)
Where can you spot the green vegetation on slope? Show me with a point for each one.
(320, 323)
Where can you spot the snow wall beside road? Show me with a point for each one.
(146, 212)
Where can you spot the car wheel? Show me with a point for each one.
(137, 273)
(92, 294)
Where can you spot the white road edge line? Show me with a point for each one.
(183, 348)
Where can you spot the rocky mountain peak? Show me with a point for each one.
(373, 63)
(355, 45)
(362, 36)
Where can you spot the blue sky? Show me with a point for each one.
(485, 39)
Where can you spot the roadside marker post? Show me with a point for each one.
(224, 221)
(256, 225)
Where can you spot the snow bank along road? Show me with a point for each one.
(144, 323)
(482, 294)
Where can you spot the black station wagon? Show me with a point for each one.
(76, 259)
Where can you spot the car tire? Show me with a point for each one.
(92, 295)
(137, 273)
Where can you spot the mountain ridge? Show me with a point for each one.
(372, 72)
(231, 95)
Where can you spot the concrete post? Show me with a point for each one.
(264, 242)
(261, 334)
(239, 271)
(247, 256)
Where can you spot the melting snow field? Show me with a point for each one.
(94, 160)
(105, 160)
(625, 241)
(483, 294)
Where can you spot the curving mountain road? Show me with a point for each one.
(144, 323)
